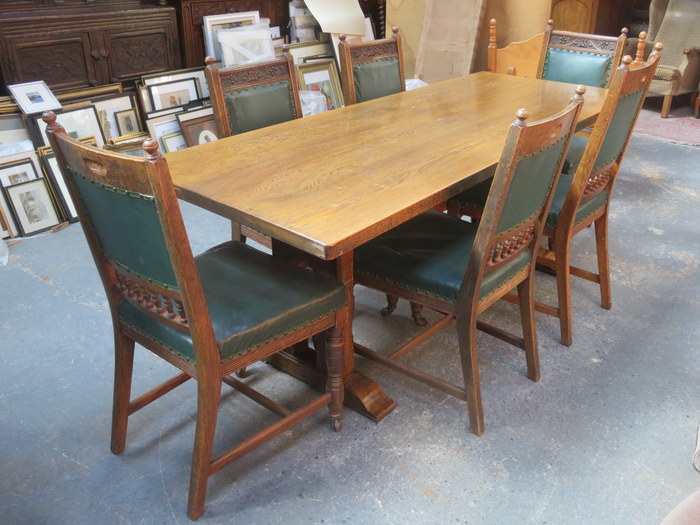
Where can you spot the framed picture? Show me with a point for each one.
(243, 45)
(32, 206)
(180, 74)
(199, 126)
(18, 171)
(322, 75)
(215, 23)
(78, 122)
(13, 128)
(127, 122)
(127, 148)
(34, 97)
(173, 94)
(304, 50)
(5, 229)
(173, 142)
(124, 139)
(109, 107)
(55, 175)
(160, 127)
(88, 94)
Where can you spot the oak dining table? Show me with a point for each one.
(323, 185)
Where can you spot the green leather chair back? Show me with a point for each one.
(532, 180)
(577, 67)
(128, 229)
(376, 78)
(620, 127)
(259, 106)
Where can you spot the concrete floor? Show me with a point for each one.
(605, 437)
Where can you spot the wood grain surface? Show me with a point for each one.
(327, 183)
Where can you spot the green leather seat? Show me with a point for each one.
(430, 254)
(269, 299)
(376, 78)
(577, 67)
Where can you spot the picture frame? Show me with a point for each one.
(176, 93)
(215, 23)
(322, 75)
(161, 126)
(88, 94)
(304, 50)
(107, 109)
(13, 128)
(199, 126)
(179, 74)
(55, 175)
(78, 122)
(127, 122)
(32, 206)
(124, 139)
(127, 148)
(5, 228)
(34, 97)
(18, 170)
(173, 142)
(246, 44)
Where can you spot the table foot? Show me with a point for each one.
(362, 394)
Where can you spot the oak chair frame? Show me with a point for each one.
(221, 80)
(589, 180)
(355, 52)
(185, 310)
(586, 42)
(517, 58)
(489, 252)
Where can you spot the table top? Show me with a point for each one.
(328, 183)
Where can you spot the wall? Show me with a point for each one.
(408, 16)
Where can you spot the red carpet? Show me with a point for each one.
(680, 126)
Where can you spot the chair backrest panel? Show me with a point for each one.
(620, 128)
(376, 78)
(517, 58)
(371, 69)
(253, 96)
(128, 228)
(520, 195)
(256, 107)
(581, 58)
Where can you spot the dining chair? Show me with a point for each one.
(582, 197)
(517, 58)
(371, 69)
(581, 58)
(250, 97)
(461, 269)
(209, 316)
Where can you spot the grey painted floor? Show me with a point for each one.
(605, 437)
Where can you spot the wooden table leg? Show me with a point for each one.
(362, 394)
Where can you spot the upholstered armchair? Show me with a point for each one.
(675, 23)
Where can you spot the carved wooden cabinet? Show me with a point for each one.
(76, 46)
(191, 13)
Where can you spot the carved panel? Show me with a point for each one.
(58, 63)
(138, 54)
(597, 181)
(258, 75)
(508, 247)
(387, 49)
(201, 10)
(159, 303)
(605, 46)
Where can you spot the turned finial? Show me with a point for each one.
(641, 46)
(209, 61)
(657, 48)
(492, 32)
(624, 32)
(580, 90)
(150, 146)
(522, 114)
(49, 117)
(626, 61)
(343, 37)
(550, 24)
(395, 31)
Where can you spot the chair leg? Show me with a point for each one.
(123, 369)
(416, 311)
(526, 301)
(466, 333)
(334, 385)
(563, 275)
(208, 396)
(666, 106)
(601, 246)
(391, 302)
